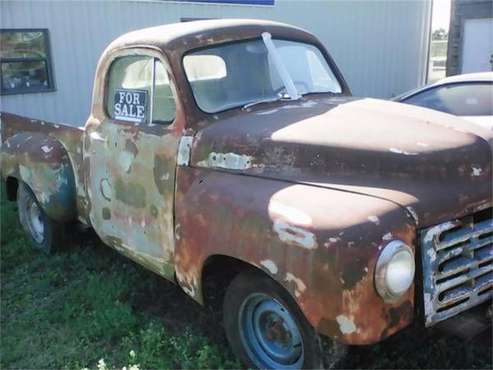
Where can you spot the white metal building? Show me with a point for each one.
(381, 47)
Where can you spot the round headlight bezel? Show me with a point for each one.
(391, 250)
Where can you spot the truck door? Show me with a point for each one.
(131, 153)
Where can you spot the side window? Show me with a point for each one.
(138, 90)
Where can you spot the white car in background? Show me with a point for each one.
(469, 96)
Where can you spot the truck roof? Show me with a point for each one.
(189, 35)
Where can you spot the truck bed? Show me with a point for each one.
(10, 124)
(51, 152)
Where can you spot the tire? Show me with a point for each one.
(45, 234)
(265, 327)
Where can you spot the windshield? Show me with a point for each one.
(241, 73)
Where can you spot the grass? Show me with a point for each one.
(89, 307)
(87, 303)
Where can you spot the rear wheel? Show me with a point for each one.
(265, 327)
(45, 234)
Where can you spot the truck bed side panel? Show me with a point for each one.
(48, 157)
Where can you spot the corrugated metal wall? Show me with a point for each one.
(380, 46)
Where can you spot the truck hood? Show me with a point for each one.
(435, 165)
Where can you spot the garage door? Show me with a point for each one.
(477, 49)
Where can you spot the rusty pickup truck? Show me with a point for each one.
(229, 157)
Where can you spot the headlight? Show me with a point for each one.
(394, 273)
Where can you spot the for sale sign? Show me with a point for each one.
(130, 105)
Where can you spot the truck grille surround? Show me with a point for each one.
(457, 259)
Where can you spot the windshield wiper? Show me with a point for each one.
(262, 101)
(285, 97)
(280, 66)
(330, 93)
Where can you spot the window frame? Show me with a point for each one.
(48, 62)
(143, 52)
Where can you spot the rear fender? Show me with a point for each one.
(44, 165)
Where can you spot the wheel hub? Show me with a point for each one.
(270, 333)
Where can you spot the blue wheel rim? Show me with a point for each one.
(270, 334)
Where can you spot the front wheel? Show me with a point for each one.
(45, 234)
(265, 327)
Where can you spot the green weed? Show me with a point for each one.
(77, 309)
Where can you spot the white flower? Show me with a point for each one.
(102, 364)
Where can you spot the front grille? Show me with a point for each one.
(457, 265)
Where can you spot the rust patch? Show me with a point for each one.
(162, 173)
(354, 272)
(154, 211)
(106, 214)
(133, 194)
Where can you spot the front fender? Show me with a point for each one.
(42, 163)
(320, 244)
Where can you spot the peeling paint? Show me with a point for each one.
(295, 235)
(399, 151)
(125, 160)
(387, 236)
(300, 286)
(476, 171)
(413, 214)
(346, 326)
(432, 254)
(437, 230)
(184, 150)
(230, 161)
(188, 283)
(106, 189)
(270, 266)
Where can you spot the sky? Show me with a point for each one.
(441, 14)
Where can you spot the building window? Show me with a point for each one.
(25, 61)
